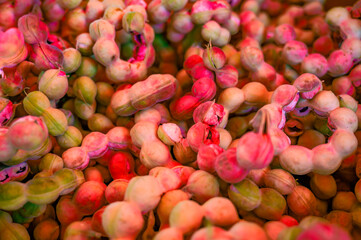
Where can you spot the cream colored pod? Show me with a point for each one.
(122, 220)
(145, 191)
(53, 83)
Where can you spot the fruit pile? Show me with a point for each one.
(177, 119)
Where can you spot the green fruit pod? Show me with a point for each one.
(71, 138)
(245, 195)
(56, 121)
(72, 60)
(272, 206)
(12, 196)
(85, 89)
(84, 110)
(43, 190)
(35, 103)
(67, 179)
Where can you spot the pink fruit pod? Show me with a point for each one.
(101, 28)
(355, 75)
(280, 141)
(339, 63)
(287, 96)
(66, 211)
(204, 89)
(202, 186)
(316, 64)
(122, 220)
(156, 88)
(209, 113)
(28, 133)
(115, 191)
(182, 108)
(89, 197)
(145, 191)
(244, 230)
(143, 131)
(158, 13)
(308, 85)
(350, 28)
(326, 159)
(297, 159)
(199, 71)
(202, 12)
(121, 103)
(76, 158)
(191, 61)
(284, 33)
(214, 58)
(34, 30)
(325, 230)
(343, 118)
(344, 142)
(265, 74)
(206, 157)
(47, 56)
(187, 216)
(12, 48)
(167, 178)
(271, 114)
(169, 233)
(227, 76)
(6, 110)
(121, 166)
(183, 172)
(227, 167)
(118, 138)
(96, 144)
(254, 29)
(352, 46)
(154, 154)
(12, 83)
(169, 133)
(294, 52)
(255, 150)
(201, 133)
(220, 211)
(251, 58)
(211, 232)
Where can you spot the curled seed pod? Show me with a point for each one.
(245, 195)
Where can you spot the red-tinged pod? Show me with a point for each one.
(227, 76)
(204, 89)
(6, 110)
(200, 70)
(12, 83)
(201, 133)
(182, 108)
(227, 167)
(209, 113)
(96, 221)
(121, 166)
(47, 56)
(254, 150)
(34, 30)
(207, 155)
